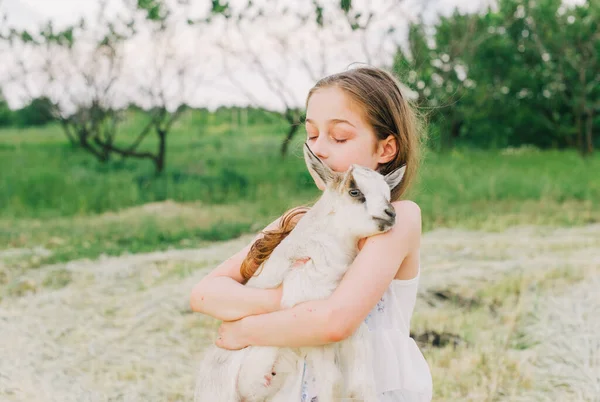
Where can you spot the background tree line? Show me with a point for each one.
(524, 72)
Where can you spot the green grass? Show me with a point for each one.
(221, 182)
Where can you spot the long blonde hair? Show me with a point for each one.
(378, 95)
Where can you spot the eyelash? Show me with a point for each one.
(338, 141)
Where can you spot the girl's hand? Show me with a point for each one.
(231, 336)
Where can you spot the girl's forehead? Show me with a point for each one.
(332, 103)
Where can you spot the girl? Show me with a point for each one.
(358, 116)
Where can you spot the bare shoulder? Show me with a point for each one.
(400, 244)
(408, 229)
(408, 222)
(407, 205)
(408, 212)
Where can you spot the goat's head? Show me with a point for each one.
(360, 197)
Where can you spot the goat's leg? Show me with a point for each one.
(328, 375)
(355, 356)
(216, 375)
(258, 379)
(290, 366)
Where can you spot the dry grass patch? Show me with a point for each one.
(121, 328)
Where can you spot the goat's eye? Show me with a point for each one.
(354, 192)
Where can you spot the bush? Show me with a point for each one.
(6, 115)
(37, 113)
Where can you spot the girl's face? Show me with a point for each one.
(339, 136)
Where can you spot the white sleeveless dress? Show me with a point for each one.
(400, 371)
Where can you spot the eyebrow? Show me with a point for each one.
(332, 121)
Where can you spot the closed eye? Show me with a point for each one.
(336, 140)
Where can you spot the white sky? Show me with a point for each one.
(30, 13)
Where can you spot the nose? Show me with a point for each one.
(390, 212)
(319, 149)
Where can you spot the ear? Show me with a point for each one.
(316, 165)
(394, 178)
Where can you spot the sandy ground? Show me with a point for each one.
(121, 329)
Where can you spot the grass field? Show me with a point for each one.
(506, 307)
(222, 181)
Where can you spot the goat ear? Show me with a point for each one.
(316, 165)
(394, 178)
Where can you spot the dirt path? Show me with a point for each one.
(121, 329)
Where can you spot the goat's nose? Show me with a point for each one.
(390, 212)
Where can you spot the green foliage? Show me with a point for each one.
(222, 183)
(318, 13)
(37, 113)
(6, 115)
(26, 37)
(524, 74)
(154, 9)
(50, 35)
(219, 8)
(43, 177)
(346, 5)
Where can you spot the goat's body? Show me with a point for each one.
(232, 376)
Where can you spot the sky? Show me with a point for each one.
(223, 90)
(28, 12)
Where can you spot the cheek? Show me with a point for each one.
(341, 161)
(370, 160)
(360, 156)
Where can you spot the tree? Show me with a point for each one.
(91, 72)
(166, 80)
(438, 67)
(523, 73)
(560, 47)
(6, 116)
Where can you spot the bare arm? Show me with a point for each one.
(222, 294)
(334, 319)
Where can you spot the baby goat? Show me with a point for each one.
(355, 204)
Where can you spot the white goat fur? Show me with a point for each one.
(328, 234)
